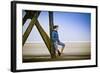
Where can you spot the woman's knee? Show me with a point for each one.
(63, 45)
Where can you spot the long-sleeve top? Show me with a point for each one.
(55, 36)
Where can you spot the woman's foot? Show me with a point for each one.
(59, 53)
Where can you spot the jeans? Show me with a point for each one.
(58, 43)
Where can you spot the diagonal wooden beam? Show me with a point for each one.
(28, 15)
(28, 30)
(44, 35)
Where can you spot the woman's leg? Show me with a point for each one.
(63, 46)
(55, 47)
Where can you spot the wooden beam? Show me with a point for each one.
(28, 30)
(28, 15)
(44, 35)
(51, 24)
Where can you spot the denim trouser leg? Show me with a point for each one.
(55, 47)
(58, 43)
(62, 44)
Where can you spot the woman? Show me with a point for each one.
(56, 41)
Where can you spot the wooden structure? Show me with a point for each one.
(33, 15)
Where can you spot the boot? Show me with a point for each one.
(59, 53)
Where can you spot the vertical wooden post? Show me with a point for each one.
(51, 24)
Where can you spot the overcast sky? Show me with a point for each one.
(72, 26)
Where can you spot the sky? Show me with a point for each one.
(72, 26)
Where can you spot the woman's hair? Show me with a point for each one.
(55, 26)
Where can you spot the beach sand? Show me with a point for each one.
(38, 52)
